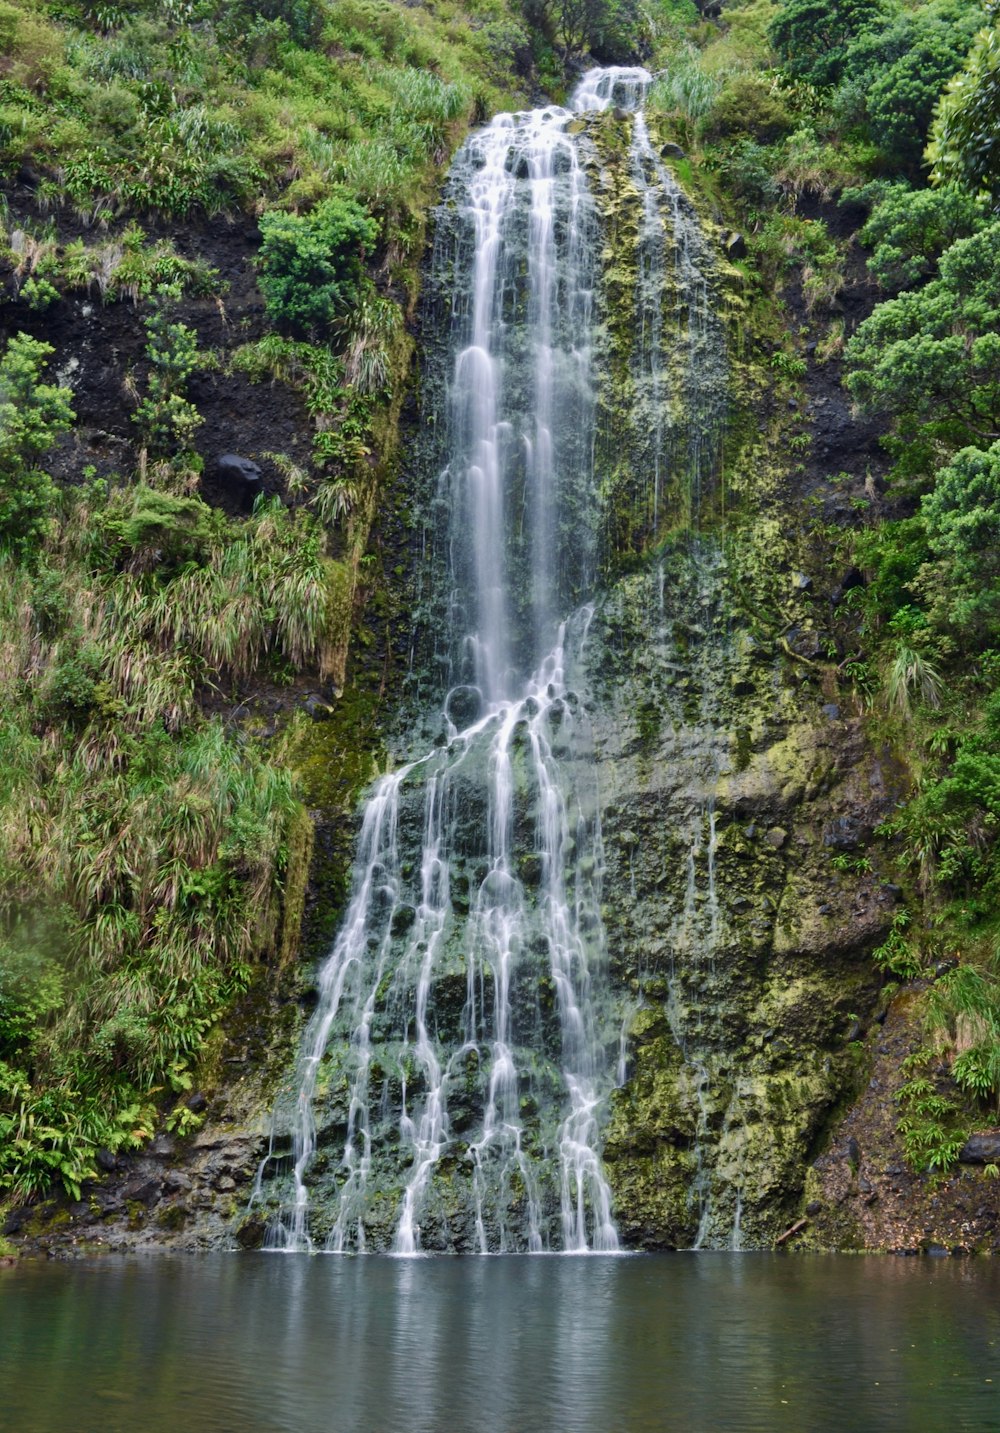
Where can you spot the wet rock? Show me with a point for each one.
(843, 834)
(621, 114)
(981, 1148)
(175, 1181)
(250, 1234)
(106, 1161)
(813, 1208)
(141, 1191)
(672, 151)
(463, 706)
(852, 1152)
(402, 919)
(832, 711)
(852, 578)
(801, 581)
(197, 1103)
(15, 1221)
(315, 707)
(776, 837)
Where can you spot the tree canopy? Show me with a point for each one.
(932, 355)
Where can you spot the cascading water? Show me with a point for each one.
(456, 1072)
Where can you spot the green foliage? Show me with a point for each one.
(965, 137)
(929, 1121)
(899, 69)
(813, 37)
(932, 355)
(962, 515)
(168, 421)
(751, 105)
(910, 229)
(311, 266)
(896, 954)
(785, 243)
(965, 1004)
(32, 415)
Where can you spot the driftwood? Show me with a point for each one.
(795, 1229)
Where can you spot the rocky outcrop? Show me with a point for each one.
(728, 789)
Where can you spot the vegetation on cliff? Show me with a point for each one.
(890, 112)
(148, 835)
(147, 838)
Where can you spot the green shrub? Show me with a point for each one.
(749, 105)
(932, 355)
(910, 229)
(965, 137)
(32, 415)
(168, 421)
(900, 68)
(311, 266)
(813, 37)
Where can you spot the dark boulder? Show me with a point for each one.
(981, 1148)
(240, 477)
(250, 1234)
(735, 246)
(463, 706)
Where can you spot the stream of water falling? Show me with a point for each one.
(456, 1072)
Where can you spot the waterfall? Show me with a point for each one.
(456, 1073)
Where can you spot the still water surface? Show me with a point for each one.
(703, 1343)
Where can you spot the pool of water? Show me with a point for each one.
(703, 1343)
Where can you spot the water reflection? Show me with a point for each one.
(688, 1342)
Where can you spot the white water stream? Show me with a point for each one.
(456, 1072)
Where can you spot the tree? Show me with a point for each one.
(311, 265)
(962, 515)
(965, 136)
(812, 37)
(167, 419)
(32, 415)
(909, 230)
(932, 355)
(900, 68)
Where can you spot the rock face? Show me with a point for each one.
(742, 951)
(862, 1193)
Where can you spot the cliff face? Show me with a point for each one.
(739, 785)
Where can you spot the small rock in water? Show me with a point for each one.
(463, 706)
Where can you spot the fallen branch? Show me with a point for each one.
(795, 1229)
(789, 651)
